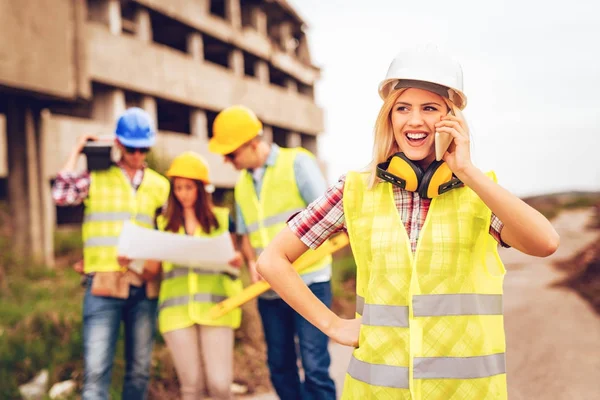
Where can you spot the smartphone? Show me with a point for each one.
(442, 142)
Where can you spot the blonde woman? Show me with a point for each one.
(424, 234)
(202, 348)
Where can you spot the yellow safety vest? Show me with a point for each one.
(279, 199)
(432, 325)
(187, 294)
(111, 200)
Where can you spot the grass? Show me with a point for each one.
(40, 324)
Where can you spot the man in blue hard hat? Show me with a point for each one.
(127, 190)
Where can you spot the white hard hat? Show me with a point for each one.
(427, 69)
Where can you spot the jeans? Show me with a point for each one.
(281, 324)
(102, 318)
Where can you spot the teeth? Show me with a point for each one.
(416, 136)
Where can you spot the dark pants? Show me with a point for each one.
(102, 318)
(281, 324)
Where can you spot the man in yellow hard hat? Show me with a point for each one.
(275, 183)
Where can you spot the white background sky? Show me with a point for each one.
(531, 73)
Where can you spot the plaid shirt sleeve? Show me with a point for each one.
(70, 189)
(322, 218)
(496, 228)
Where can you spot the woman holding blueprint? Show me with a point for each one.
(186, 293)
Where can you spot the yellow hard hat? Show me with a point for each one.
(189, 165)
(233, 127)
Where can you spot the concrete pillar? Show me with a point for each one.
(17, 178)
(310, 143)
(267, 133)
(114, 17)
(48, 207)
(236, 62)
(3, 148)
(292, 85)
(24, 179)
(199, 124)
(36, 220)
(108, 104)
(233, 13)
(195, 46)
(261, 69)
(285, 36)
(293, 139)
(143, 24)
(259, 20)
(204, 6)
(149, 105)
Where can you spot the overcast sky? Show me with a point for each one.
(531, 74)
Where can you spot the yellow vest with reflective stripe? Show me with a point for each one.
(279, 199)
(111, 200)
(187, 294)
(432, 323)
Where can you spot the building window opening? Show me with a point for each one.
(306, 90)
(249, 64)
(217, 8)
(280, 136)
(277, 76)
(210, 119)
(128, 24)
(216, 51)
(247, 21)
(173, 117)
(168, 32)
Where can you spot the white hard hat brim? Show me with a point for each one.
(454, 95)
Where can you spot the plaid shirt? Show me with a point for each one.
(325, 216)
(71, 189)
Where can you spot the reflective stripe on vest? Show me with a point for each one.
(178, 272)
(101, 241)
(427, 368)
(378, 374)
(432, 324)
(459, 367)
(198, 297)
(429, 306)
(272, 220)
(118, 216)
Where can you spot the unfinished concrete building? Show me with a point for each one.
(69, 67)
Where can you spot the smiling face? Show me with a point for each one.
(413, 118)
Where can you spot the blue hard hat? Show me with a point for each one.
(135, 128)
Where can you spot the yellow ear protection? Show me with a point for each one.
(402, 172)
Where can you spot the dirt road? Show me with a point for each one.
(553, 336)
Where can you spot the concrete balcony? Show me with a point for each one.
(192, 13)
(163, 72)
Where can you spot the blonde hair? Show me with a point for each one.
(384, 144)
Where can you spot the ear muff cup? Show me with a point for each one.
(411, 172)
(436, 175)
(400, 171)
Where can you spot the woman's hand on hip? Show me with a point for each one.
(346, 331)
